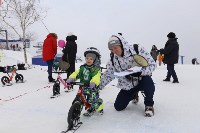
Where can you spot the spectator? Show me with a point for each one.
(195, 61)
(69, 52)
(13, 47)
(49, 52)
(171, 54)
(154, 52)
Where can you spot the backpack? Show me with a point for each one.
(135, 46)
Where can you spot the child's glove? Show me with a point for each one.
(92, 84)
(69, 80)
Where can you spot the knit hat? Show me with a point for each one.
(91, 55)
(171, 35)
(113, 41)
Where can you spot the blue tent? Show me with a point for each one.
(37, 60)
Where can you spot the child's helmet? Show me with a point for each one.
(95, 51)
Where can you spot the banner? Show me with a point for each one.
(1, 2)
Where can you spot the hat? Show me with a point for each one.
(113, 41)
(71, 37)
(171, 35)
(70, 34)
(91, 55)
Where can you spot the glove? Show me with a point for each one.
(69, 80)
(137, 74)
(92, 85)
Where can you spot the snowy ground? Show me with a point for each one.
(27, 108)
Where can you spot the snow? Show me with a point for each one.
(176, 105)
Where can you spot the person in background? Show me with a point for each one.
(195, 61)
(171, 55)
(122, 60)
(69, 52)
(13, 47)
(154, 52)
(49, 52)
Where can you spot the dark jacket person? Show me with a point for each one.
(171, 55)
(69, 52)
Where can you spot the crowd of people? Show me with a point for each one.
(123, 57)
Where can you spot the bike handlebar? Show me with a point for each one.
(79, 83)
(103, 68)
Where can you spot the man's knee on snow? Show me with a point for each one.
(119, 107)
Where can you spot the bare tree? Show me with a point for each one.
(31, 36)
(19, 15)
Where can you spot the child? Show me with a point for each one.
(90, 73)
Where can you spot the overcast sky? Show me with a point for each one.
(146, 22)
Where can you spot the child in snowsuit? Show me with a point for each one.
(90, 73)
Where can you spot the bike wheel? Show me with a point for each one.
(19, 77)
(74, 114)
(5, 80)
(56, 88)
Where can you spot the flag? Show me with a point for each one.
(1, 2)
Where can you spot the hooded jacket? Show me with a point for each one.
(70, 49)
(49, 47)
(126, 62)
(171, 51)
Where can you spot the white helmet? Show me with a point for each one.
(96, 52)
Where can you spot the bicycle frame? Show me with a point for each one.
(13, 73)
(81, 95)
(59, 79)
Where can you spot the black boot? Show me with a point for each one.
(175, 81)
(166, 79)
(51, 79)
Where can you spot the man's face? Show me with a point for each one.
(116, 49)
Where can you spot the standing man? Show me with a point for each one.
(49, 52)
(130, 85)
(171, 55)
(70, 51)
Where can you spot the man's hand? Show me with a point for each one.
(137, 74)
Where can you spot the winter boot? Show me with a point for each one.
(89, 112)
(51, 79)
(135, 98)
(149, 111)
(175, 81)
(166, 79)
(101, 112)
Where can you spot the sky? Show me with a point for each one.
(146, 22)
(27, 107)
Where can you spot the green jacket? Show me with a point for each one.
(87, 74)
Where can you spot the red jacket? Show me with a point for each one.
(49, 48)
